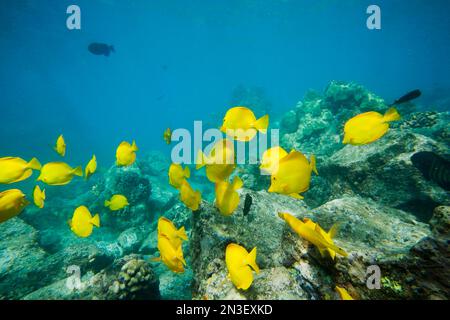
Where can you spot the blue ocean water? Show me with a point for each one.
(176, 62)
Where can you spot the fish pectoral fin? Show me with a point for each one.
(155, 259)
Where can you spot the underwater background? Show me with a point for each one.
(309, 65)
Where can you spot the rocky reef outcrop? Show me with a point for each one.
(382, 171)
(291, 268)
(390, 217)
(380, 200)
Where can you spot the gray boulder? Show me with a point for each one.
(381, 171)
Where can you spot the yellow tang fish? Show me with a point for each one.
(220, 162)
(83, 222)
(16, 169)
(189, 197)
(312, 235)
(90, 168)
(227, 199)
(60, 146)
(241, 124)
(12, 202)
(171, 256)
(343, 293)
(177, 174)
(271, 159)
(126, 153)
(58, 173)
(39, 197)
(167, 228)
(168, 136)
(327, 235)
(238, 262)
(293, 175)
(368, 127)
(117, 202)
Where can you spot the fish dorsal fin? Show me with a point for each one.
(294, 155)
(166, 220)
(333, 230)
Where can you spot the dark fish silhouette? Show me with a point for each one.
(433, 167)
(408, 97)
(247, 204)
(101, 49)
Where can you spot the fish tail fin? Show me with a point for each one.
(262, 123)
(111, 47)
(34, 164)
(312, 162)
(96, 220)
(107, 203)
(237, 183)
(134, 147)
(391, 115)
(182, 234)
(251, 260)
(201, 160)
(187, 172)
(78, 171)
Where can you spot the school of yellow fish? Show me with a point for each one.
(290, 175)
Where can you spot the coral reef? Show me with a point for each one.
(388, 216)
(128, 278)
(316, 123)
(290, 268)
